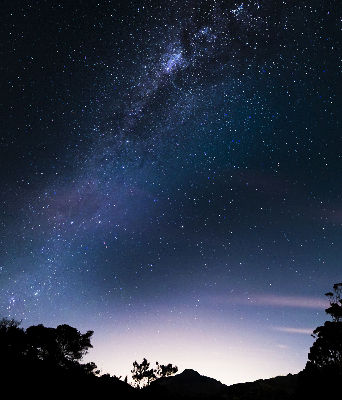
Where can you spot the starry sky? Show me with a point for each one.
(171, 178)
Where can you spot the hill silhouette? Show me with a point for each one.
(188, 384)
(191, 385)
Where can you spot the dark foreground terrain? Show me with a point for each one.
(191, 385)
(43, 381)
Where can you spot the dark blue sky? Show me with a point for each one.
(171, 178)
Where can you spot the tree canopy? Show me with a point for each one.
(163, 371)
(143, 375)
(335, 300)
(12, 339)
(63, 345)
(326, 352)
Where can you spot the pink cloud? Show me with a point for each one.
(288, 301)
(273, 301)
(304, 331)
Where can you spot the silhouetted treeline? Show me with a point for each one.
(47, 361)
(43, 362)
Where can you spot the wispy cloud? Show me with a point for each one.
(288, 301)
(272, 301)
(304, 331)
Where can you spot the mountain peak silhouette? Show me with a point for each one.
(190, 383)
(189, 374)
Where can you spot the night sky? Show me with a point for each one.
(171, 178)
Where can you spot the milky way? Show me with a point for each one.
(173, 171)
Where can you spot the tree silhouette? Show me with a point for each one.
(326, 352)
(64, 345)
(335, 300)
(90, 368)
(47, 356)
(143, 375)
(327, 349)
(7, 324)
(321, 377)
(12, 339)
(73, 344)
(163, 371)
